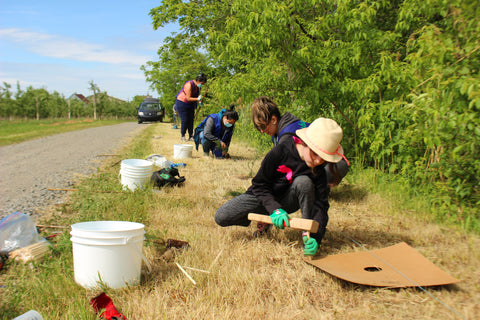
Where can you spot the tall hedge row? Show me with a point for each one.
(402, 78)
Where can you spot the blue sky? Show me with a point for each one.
(63, 45)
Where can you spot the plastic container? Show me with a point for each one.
(182, 151)
(30, 315)
(135, 173)
(107, 251)
(178, 165)
(158, 160)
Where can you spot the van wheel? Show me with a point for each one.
(139, 121)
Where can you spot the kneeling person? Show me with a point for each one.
(215, 132)
(291, 177)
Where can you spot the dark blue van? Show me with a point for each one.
(150, 109)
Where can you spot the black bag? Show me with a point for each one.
(167, 177)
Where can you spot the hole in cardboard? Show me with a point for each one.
(372, 269)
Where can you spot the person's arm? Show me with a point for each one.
(228, 137)
(209, 130)
(262, 183)
(321, 205)
(188, 92)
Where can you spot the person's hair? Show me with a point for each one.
(201, 77)
(263, 108)
(231, 113)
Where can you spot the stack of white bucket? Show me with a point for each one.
(135, 173)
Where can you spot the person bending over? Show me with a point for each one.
(267, 119)
(215, 133)
(291, 177)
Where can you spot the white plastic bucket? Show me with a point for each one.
(182, 151)
(107, 251)
(135, 173)
(30, 315)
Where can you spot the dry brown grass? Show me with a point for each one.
(266, 278)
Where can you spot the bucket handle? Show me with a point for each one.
(147, 263)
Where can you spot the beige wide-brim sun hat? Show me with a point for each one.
(323, 136)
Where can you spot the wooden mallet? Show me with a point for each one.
(295, 223)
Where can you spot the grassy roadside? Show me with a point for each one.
(263, 278)
(22, 130)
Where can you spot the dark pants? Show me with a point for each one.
(209, 145)
(301, 195)
(187, 116)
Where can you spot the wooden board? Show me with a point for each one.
(295, 223)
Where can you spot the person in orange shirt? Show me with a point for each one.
(186, 103)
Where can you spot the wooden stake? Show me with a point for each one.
(53, 227)
(295, 223)
(185, 272)
(34, 251)
(215, 260)
(92, 191)
(195, 269)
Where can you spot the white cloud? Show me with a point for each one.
(56, 46)
(120, 82)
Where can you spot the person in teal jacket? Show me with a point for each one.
(215, 132)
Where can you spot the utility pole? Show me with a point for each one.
(37, 107)
(94, 88)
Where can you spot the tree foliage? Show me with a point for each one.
(402, 77)
(39, 103)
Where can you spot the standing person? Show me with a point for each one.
(291, 177)
(186, 103)
(175, 116)
(267, 119)
(215, 132)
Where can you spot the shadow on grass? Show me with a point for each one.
(336, 240)
(348, 192)
(346, 285)
(233, 193)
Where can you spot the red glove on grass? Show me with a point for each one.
(102, 301)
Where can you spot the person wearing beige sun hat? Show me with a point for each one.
(323, 137)
(267, 119)
(291, 177)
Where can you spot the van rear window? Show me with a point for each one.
(151, 106)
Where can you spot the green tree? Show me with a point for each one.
(7, 104)
(400, 76)
(179, 61)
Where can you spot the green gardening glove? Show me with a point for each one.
(310, 245)
(280, 218)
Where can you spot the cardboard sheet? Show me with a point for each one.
(396, 266)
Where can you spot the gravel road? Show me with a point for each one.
(29, 168)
